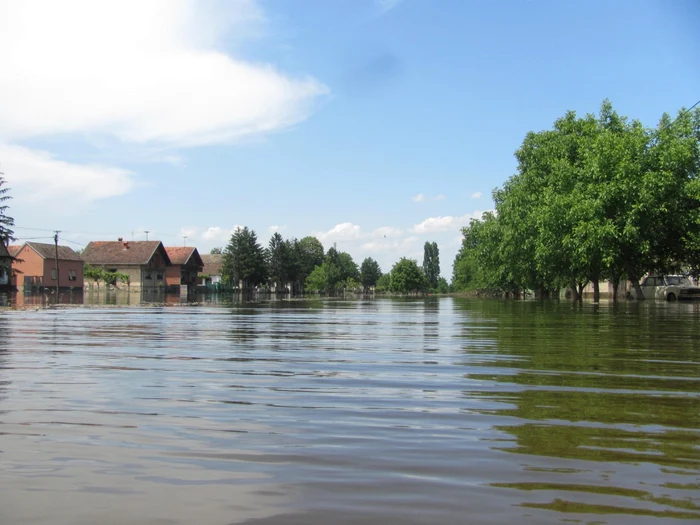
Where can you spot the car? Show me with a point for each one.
(669, 288)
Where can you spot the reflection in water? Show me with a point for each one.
(433, 410)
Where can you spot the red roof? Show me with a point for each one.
(212, 263)
(184, 254)
(123, 252)
(14, 250)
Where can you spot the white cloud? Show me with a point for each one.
(422, 198)
(218, 234)
(477, 195)
(345, 231)
(418, 198)
(387, 5)
(188, 232)
(36, 176)
(143, 72)
(447, 223)
(386, 231)
(440, 197)
(277, 228)
(383, 245)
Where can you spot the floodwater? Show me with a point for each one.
(434, 411)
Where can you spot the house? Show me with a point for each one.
(186, 265)
(5, 267)
(34, 266)
(145, 262)
(211, 273)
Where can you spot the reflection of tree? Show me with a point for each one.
(4, 352)
(604, 385)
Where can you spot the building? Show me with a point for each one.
(34, 267)
(145, 262)
(186, 265)
(211, 273)
(5, 267)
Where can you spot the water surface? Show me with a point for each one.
(379, 411)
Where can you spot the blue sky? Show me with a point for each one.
(374, 124)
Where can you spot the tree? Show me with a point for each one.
(407, 277)
(383, 283)
(431, 264)
(278, 260)
(218, 250)
(244, 260)
(370, 272)
(94, 274)
(442, 286)
(310, 254)
(6, 222)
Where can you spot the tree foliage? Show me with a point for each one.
(370, 273)
(6, 222)
(338, 272)
(407, 277)
(244, 260)
(431, 264)
(595, 198)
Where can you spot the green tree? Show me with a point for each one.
(370, 272)
(310, 254)
(431, 264)
(278, 260)
(383, 283)
(6, 222)
(244, 260)
(348, 267)
(218, 250)
(94, 274)
(442, 286)
(407, 277)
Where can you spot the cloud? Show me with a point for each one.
(422, 198)
(36, 176)
(447, 223)
(477, 195)
(387, 5)
(142, 72)
(383, 245)
(386, 231)
(188, 232)
(345, 231)
(277, 228)
(218, 234)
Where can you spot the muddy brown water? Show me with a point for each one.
(341, 412)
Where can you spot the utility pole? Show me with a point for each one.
(55, 240)
(146, 232)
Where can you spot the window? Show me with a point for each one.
(148, 276)
(159, 276)
(72, 275)
(53, 274)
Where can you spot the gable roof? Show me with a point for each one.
(212, 263)
(48, 251)
(184, 254)
(14, 249)
(124, 252)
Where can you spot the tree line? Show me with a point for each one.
(298, 266)
(595, 198)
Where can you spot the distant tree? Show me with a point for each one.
(218, 250)
(383, 283)
(370, 272)
(348, 267)
(310, 254)
(442, 286)
(431, 264)
(94, 274)
(278, 260)
(6, 222)
(407, 277)
(317, 280)
(244, 261)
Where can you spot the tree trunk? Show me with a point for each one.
(615, 285)
(637, 289)
(581, 286)
(596, 290)
(575, 296)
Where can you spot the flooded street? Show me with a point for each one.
(380, 411)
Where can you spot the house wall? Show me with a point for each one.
(63, 273)
(133, 271)
(173, 275)
(28, 263)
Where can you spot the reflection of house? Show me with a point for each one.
(5, 266)
(145, 262)
(186, 264)
(35, 266)
(211, 273)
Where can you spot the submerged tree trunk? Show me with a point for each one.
(596, 290)
(637, 290)
(615, 286)
(575, 295)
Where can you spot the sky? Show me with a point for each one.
(376, 125)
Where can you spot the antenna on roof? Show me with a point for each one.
(184, 240)
(146, 232)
